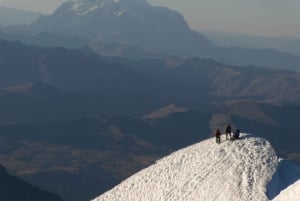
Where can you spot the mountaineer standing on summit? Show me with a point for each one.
(228, 131)
(218, 136)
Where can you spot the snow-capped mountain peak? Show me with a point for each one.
(241, 170)
(128, 22)
(233, 170)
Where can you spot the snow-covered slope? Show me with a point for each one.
(238, 171)
(292, 193)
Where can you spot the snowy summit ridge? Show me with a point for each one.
(238, 171)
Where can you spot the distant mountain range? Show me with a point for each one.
(82, 70)
(157, 30)
(128, 22)
(283, 44)
(12, 16)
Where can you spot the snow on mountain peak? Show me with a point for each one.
(233, 170)
(84, 7)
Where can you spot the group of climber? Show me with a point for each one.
(228, 133)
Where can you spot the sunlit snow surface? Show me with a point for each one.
(292, 193)
(233, 170)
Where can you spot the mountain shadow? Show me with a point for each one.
(14, 189)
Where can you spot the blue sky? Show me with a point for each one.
(259, 17)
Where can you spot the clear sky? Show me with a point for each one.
(260, 17)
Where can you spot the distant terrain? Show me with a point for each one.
(289, 45)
